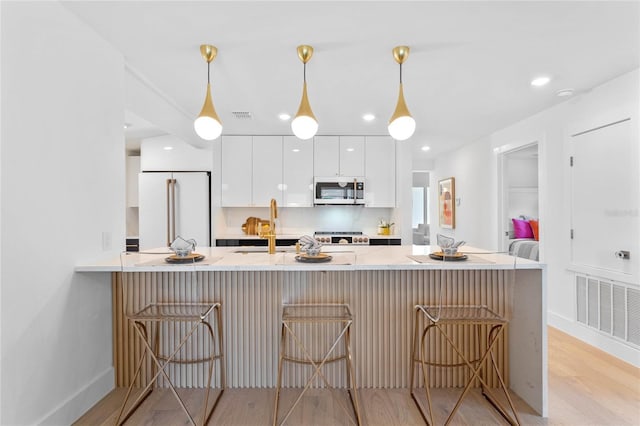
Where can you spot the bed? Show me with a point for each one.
(524, 247)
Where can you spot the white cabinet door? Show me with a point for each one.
(380, 173)
(351, 156)
(297, 172)
(267, 170)
(326, 156)
(236, 167)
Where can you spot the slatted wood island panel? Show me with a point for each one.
(380, 284)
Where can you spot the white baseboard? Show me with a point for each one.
(594, 338)
(76, 405)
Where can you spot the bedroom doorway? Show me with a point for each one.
(519, 194)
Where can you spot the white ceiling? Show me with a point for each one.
(467, 75)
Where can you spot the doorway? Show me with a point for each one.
(519, 193)
(420, 217)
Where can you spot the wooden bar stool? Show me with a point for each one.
(441, 319)
(176, 323)
(316, 315)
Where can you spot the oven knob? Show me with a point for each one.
(365, 240)
(343, 241)
(358, 240)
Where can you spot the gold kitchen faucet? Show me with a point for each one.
(270, 232)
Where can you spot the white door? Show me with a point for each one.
(605, 188)
(297, 172)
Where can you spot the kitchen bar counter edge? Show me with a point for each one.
(348, 258)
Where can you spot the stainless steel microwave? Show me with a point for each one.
(339, 190)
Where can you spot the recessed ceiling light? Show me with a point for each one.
(350, 149)
(127, 125)
(425, 148)
(284, 116)
(295, 150)
(168, 148)
(540, 81)
(564, 92)
(368, 117)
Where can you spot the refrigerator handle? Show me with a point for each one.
(168, 212)
(173, 209)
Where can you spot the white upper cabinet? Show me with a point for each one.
(267, 170)
(380, 173)
(297, 172)
(338, 156)
(236, 167)
(256, 169)
(351, 156)
(326, 156)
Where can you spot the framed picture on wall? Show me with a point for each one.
(446, 203)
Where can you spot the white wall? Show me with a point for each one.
(475, 169)
(62, 166)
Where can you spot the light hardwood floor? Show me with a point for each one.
(586, 387)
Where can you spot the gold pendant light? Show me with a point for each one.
(401, 125)
(208, 125)
(304, 125)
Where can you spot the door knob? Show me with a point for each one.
(622, 254)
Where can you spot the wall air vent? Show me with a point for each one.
(242, 115)
(611, 307)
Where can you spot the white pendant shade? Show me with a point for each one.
(402, 128)
(207, 128)
(304, 127)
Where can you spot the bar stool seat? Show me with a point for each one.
(437, 318)
(194, 314)
(316, 314)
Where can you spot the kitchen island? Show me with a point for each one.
(382, 284)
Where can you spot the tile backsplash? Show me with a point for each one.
(306, 220)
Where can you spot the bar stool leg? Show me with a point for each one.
(279, 381)
(425, 376)
(142, 396)
(515, 420)
(351, 377)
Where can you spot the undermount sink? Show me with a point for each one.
(245, 250)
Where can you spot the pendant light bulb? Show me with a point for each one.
(304, 125)
(208, 125)
(401, 125)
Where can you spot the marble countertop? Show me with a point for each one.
(348, 258)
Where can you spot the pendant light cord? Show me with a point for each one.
(304, 72)
(400, 73)
(208, 72)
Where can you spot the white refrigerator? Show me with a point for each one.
(172, 204)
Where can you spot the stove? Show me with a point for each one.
(342, 237)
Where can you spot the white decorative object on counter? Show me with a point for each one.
(310, 245)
